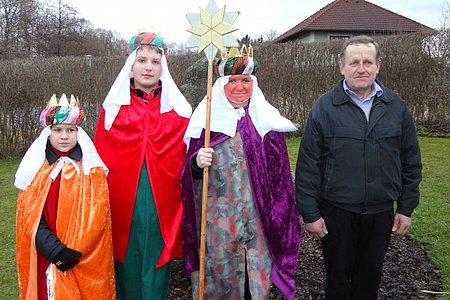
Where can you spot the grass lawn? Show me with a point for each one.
(431, 220)
(8, 198)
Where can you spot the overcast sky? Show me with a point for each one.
(168, 17)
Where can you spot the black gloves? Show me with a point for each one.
(67, 259)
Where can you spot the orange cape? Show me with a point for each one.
(83, 223)
(141, 132)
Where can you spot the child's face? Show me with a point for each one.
(63, 137)
(147, 68)
(239, 88)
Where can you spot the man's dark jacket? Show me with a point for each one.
(358, 165)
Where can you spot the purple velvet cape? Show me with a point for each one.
(273, 193)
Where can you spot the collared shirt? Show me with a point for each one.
(52, 157)
(364, 104)
(153, 93)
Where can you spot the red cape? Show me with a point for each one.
(141, 132)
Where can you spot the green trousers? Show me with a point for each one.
(137, 278)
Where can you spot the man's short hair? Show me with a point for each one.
(359, 39)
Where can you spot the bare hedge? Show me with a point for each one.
(291, 75)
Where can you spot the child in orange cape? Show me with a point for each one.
(63, 221)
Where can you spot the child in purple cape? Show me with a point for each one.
(253, 230)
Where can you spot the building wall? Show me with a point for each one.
(316, 36)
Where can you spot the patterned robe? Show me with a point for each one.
(273, 195)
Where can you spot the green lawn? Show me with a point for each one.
(8, 197)
(431, 220)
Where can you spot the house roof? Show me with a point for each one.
(353, 16)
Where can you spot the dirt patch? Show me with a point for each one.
(407, 271)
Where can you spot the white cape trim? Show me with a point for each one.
(34, 158)
(119, 94)
(224, 117)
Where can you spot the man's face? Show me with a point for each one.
(239, 88)
(360, 68)
(63, 137)
(147, 68)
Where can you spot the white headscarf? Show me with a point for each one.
(119, 94)
(224, 117)
(34, 158)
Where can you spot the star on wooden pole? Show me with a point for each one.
(211, 31)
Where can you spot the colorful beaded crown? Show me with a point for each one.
(61, 111)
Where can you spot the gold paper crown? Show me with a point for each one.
(235, 52)
(63, 101)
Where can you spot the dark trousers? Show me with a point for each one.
(354, 251)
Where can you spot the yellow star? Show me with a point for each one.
(211, 28)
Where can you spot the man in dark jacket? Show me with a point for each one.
(359, 153)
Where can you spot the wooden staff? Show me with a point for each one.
(211, 30)
(201, 278)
